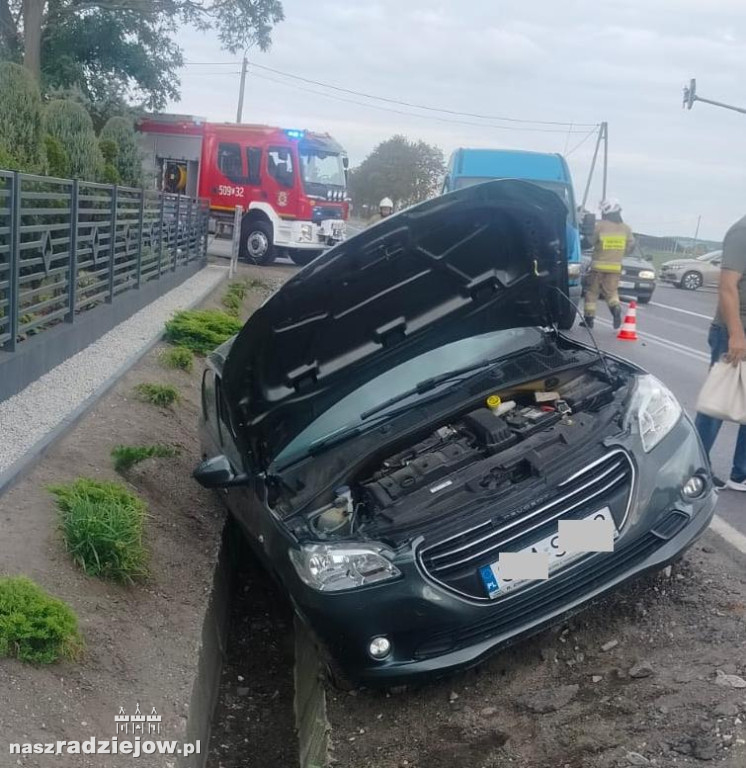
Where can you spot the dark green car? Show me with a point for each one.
(402, 423)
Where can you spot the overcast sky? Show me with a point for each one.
(570, 61)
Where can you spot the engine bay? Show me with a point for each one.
(510, 440)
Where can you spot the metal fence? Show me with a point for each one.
(67, 246)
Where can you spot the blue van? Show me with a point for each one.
(474, 166)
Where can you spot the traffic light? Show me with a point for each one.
(690, 94)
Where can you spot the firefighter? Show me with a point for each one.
(385, 209)
(612, 241)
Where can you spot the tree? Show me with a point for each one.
(72, 127)
(20, 119)
(406, 171)
(125, 45)
(126, 159)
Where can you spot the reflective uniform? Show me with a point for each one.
(612, 241)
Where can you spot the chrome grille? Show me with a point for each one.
(453, 562)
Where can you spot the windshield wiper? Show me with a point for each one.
(427, 385)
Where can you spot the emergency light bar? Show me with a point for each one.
(295, 134)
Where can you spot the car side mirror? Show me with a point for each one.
(218, 473)
(588, 226)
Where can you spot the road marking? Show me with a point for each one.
(683, 311)
(667, 343)
(729, 533)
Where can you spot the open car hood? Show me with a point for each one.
(484, 258)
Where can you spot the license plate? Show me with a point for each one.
(496, 586)
(626, 284)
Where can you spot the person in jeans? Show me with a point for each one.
(727, 338)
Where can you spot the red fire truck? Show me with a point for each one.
(291, 184)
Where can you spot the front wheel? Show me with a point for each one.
(644, 299)
(301, 258)
(691, 281)
(256, 243)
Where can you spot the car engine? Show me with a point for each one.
(483, 453)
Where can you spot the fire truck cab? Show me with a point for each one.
(291, 184)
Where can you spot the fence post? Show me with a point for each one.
(138, 268)
(176, 244)
(235, 245)
(189, 231)
(13, 262)
(112, 242)
(160, 234)
(205, 215)
(72, 273)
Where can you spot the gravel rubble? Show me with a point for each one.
(28, 416)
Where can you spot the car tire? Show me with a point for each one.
(301, 258)
(338, 678)
(691, 281)
(644, 299)
(257, 246)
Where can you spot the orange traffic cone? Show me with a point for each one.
(628, 331)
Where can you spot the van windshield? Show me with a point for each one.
(562, 191)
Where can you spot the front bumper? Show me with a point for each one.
(638, 289)
(671, 275)
(310, 236)
(434, 631)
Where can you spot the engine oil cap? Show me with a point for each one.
(493, 402)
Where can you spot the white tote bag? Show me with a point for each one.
(723, 394)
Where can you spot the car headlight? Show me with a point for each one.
(647, 274)
(334, 567)
(306, 232)
(573, 269)
(655, 409)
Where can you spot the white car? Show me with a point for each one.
(691, 274)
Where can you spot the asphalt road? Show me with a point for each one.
(673, 346)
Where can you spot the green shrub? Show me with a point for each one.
(201, 330)
(20, 120)
(35, 626)
(121, 132)
(180, 358)
(234, 296)
(71, 125)
(58, 162)
(162, 395)
(102, 524)
(126, 456)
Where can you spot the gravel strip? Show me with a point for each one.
(28, 416)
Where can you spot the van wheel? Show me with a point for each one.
(256, 243)
(301, 258)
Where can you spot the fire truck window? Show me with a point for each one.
(280, 166)
(230, 162)
(254, 159)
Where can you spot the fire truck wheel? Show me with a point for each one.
(301, 258)
(256, 243)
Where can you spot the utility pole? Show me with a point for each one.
(244, 67)
(696, 235)
(690, 96)
(603, 135)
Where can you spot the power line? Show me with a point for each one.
(418, 106)
(582, 141)
(412, 114)
(407, 103)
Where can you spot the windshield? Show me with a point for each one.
(321, 169)
(709, 256)
(563, 191)
(347, 412)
